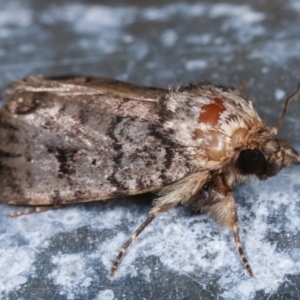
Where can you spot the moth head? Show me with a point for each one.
(266, 155)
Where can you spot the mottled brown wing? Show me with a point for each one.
(77, 139)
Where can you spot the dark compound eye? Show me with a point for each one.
(251, 162)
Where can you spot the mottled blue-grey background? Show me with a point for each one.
(67, 254)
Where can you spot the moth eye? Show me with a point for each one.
(251, 162)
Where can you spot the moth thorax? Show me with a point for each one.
(238, 137)
(215, 146)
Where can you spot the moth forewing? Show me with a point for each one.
(58, 148)
(76, 139)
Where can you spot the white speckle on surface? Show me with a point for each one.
(240, 18)
(202, 39)
(294, 5)
(156, 13)
(26, 48)
(244, 12)
(10, 25)
(279, 94)
(147, 272)
(276, 52)
(193, 65)
(70, 269)
(70, 273)
(218, 40)
(169, 38)
(92, 18)
(168, 11)
(15, 267)
(105, 23)
(106, 295)
(8, 15)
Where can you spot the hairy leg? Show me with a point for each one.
(223, 209)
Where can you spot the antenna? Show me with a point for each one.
(286, 104)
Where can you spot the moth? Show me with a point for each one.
(71, 139)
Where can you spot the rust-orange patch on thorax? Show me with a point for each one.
(210, 113)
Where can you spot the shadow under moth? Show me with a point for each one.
(71, 139)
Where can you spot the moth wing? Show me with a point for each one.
(81, 139)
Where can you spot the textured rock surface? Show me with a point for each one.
(67, 254)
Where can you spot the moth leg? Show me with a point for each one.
(239, 247)
(129, 241)
(223, 209)
(32, 210)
